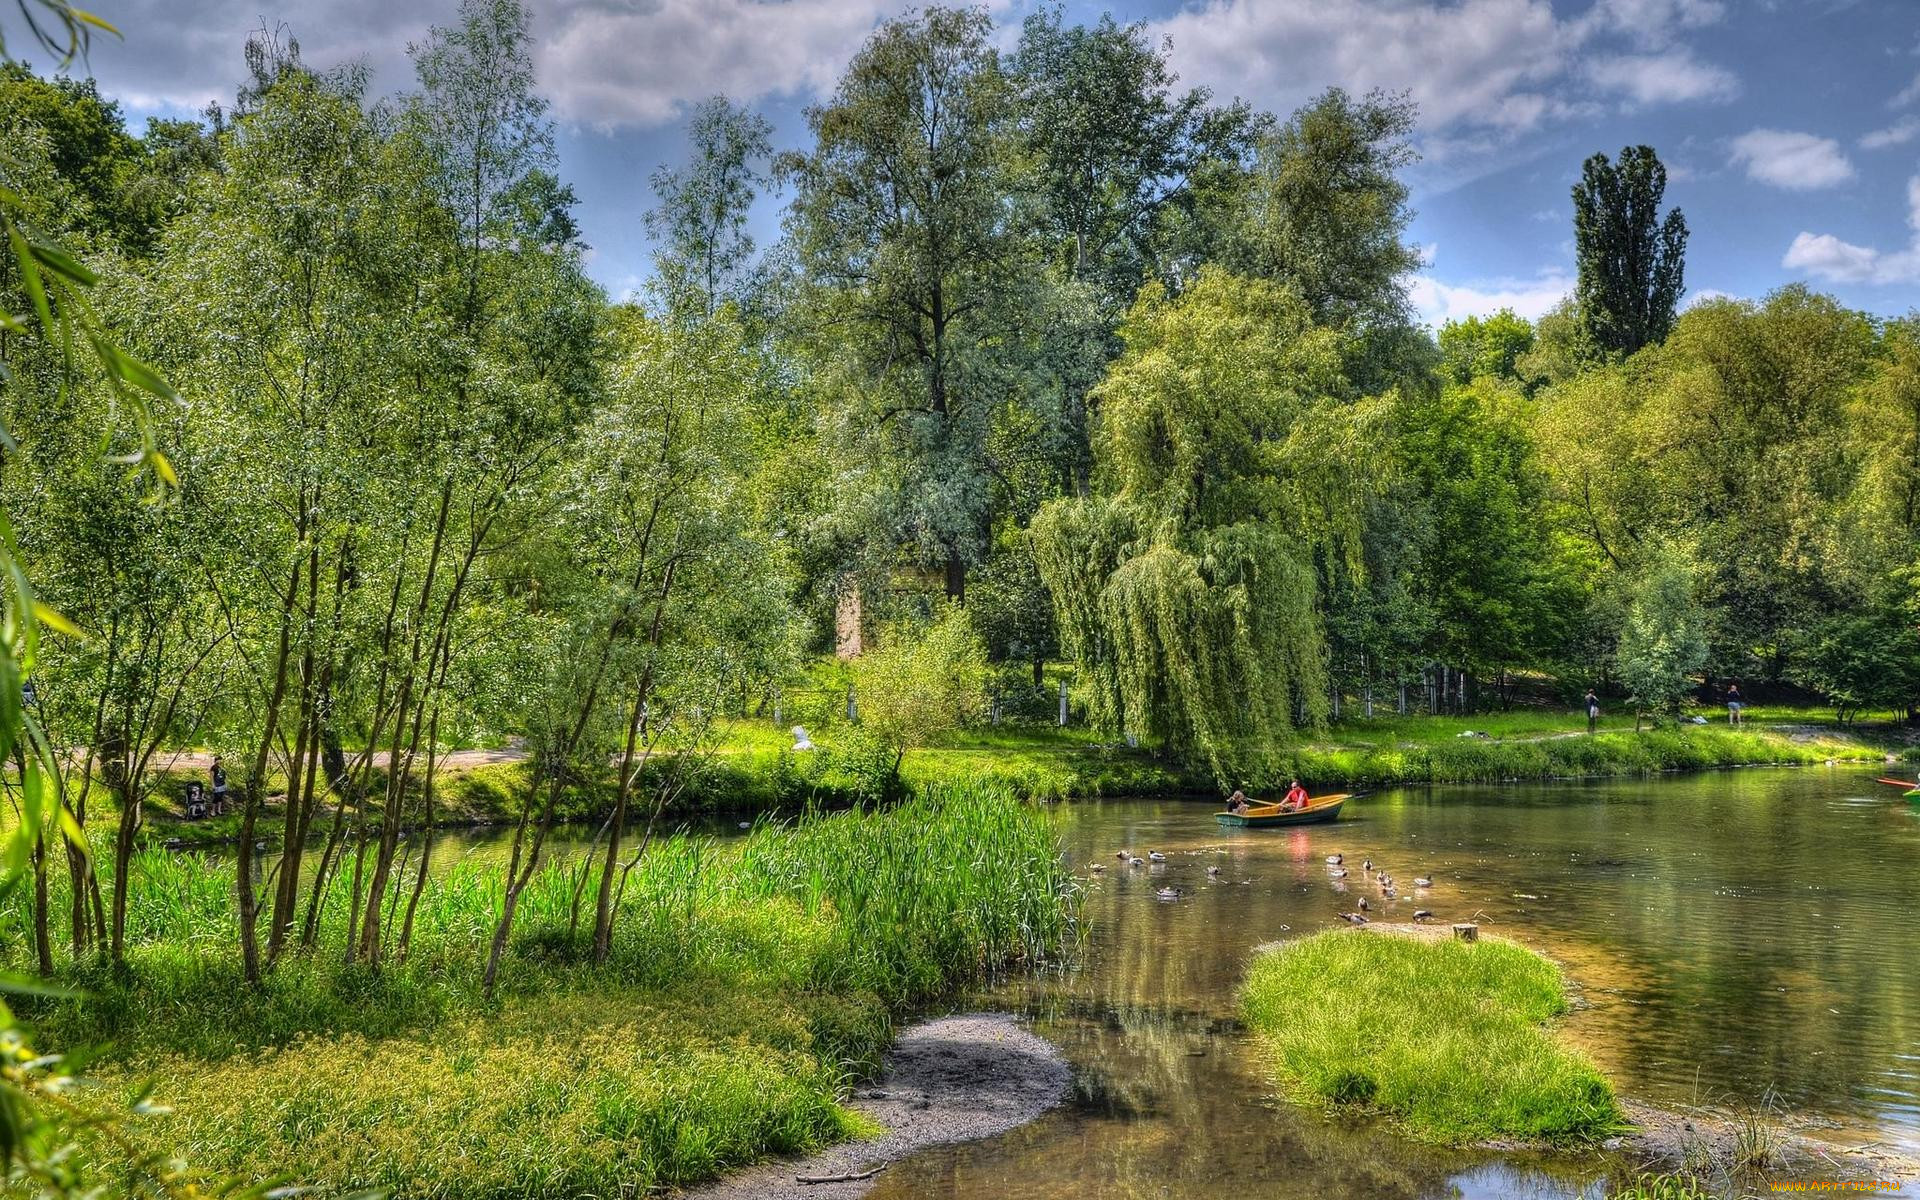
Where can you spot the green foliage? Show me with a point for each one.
(1663, 639)
(1230, 452)
(1632, 260)
(1450, 1038)
(1492, 348)
(920, 682)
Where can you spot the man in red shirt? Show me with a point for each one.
(1296, 796)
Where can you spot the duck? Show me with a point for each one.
(1355, 917)
(1213, 870)
(1123, 855)
(1168, 893)
(1097, 868)
(1366, 864)
(1156, 856)
(1334, 860)
(1423, 881)
(1422, 914)
(1362, 904)
(1135, 861)
(1338, 873)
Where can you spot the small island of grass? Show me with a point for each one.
(1451, 1039)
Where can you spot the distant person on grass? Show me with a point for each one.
(219, 776)
(1593, 710)
(1296, 796)
(1734, 704)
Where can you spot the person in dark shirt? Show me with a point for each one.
(219, 775)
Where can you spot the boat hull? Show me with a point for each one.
(1325, 808)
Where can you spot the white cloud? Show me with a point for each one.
(1785, 159)
(1906, 95)
(1669, 77)
(1825, 256)
(640, 65)
(1897, 134)
(1438, 302)
(1484, 72)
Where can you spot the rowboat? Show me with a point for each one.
(1318, 809)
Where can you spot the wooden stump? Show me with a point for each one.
(1466, 932)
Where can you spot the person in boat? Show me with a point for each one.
(1296, 796)
(1733, 704)
(1237, 803)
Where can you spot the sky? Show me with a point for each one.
(1790, 128)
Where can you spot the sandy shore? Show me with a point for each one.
(955, 1079)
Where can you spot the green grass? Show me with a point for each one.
(1661, 1187)
(1453, 1040)
(750, 981)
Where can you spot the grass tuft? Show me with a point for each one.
(1452, 1039)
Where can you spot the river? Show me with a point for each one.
(1738, 938)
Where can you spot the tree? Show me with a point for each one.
(1490, 348)
(1326, 211)
(701, 216)
(917, 274)
(1663, 638)
(1632, 260)
(1230, 452)
(921, 681)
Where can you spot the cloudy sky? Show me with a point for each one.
(1791, 128)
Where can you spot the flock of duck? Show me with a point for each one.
(1336, 869)
(1388, 889)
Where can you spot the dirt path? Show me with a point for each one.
(200, 762)
(955, 1079)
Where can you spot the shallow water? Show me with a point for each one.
(1732, 936)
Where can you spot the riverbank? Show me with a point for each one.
(750, 984)
(954, 1079)
(756, 770)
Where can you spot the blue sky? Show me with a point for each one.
(1791, 128)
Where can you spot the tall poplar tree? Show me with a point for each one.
(1632, 260)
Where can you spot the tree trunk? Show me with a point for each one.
(42, 936)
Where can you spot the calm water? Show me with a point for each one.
(1730, 935)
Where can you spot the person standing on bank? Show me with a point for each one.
(1733, 704)
(219, 776)
(1593, 710)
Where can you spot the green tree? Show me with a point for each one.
(1230, 451)
(916, 275)
(1632, 260)
(1489, 348)
(921, 681)
(701, 216)
(1326, 210)
(1663, 637)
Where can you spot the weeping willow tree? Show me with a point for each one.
(1229, 450)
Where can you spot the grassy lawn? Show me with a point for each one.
(1452, 1040)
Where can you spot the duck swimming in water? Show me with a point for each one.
(1423, 881)
(1336, 859)
(1213, 870)
(1366, 864)
(1156, 856)
(1338, 873)
(1167, 893)
(1362, 904)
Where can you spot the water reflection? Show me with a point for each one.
(1729, 933)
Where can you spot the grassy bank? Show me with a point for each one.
(756, 769)
(1450, 1039)
(749, 982)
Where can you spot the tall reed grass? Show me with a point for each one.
(750, 979)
